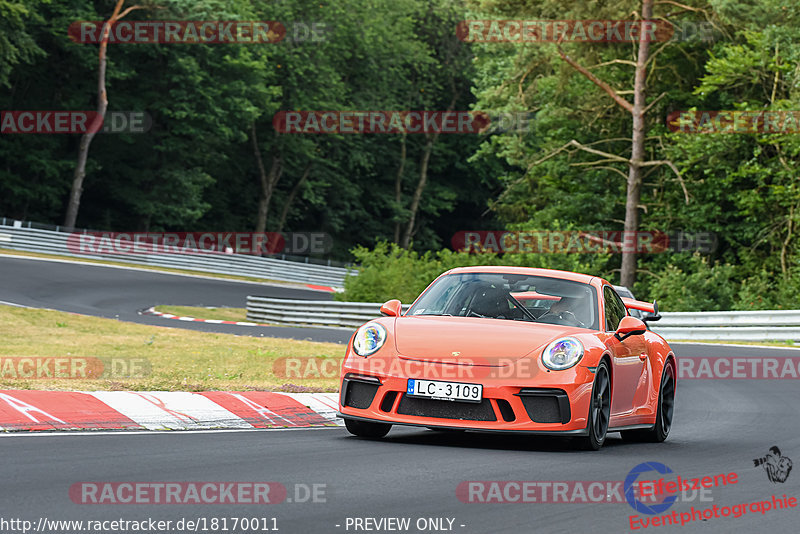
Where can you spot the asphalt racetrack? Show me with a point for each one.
(720, 427)
(120, 293)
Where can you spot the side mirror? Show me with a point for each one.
(656, 316)
(630, 326)
(392, 308)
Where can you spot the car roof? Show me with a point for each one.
(623, 291)
(528, 271)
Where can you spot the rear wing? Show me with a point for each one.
(632, 304)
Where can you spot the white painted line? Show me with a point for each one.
(13, 304)
(151, 311)
(90, 432)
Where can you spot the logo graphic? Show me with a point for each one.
(777, 467)
(630, 485)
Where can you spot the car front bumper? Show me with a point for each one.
(543, 402)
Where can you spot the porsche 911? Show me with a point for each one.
(512, 349)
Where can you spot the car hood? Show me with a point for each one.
(472, 340)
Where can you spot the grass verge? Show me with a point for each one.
(166, 358)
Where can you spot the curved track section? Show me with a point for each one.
(120, 293)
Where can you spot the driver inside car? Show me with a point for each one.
(568, 311)
(490, 302)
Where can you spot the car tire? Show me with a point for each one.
(365, 429)
(599, 410)
(664, 414)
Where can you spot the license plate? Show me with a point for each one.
(451, 391)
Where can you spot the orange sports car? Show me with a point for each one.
(512, 349)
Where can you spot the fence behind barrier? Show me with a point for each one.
(16, 235)
(779, 325)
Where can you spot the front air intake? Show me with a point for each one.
(546, 405)
(359, 394)
(465, 411)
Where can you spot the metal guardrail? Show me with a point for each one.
(755, 325)
(312, 312)
(731, 318)
(783, 325)
(18, 237)
(731, 333)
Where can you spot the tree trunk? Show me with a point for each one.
(86, 139)
(423, 172)
(268, 182)
(785, 246)
(634, 190)
(290, 198)
(398, 186)
(423, 179)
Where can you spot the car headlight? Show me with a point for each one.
(369, 338)
(562, 353)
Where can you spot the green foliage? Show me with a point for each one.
(703, 288)
(390, 272)
(765, 291)
(196, 168)
(16, 44)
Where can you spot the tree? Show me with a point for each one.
(102, 105)
(441, 83)
(638, 158)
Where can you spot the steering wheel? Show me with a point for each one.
(566, 316)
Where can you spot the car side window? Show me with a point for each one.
(615, 309)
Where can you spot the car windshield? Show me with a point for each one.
(512, 297)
